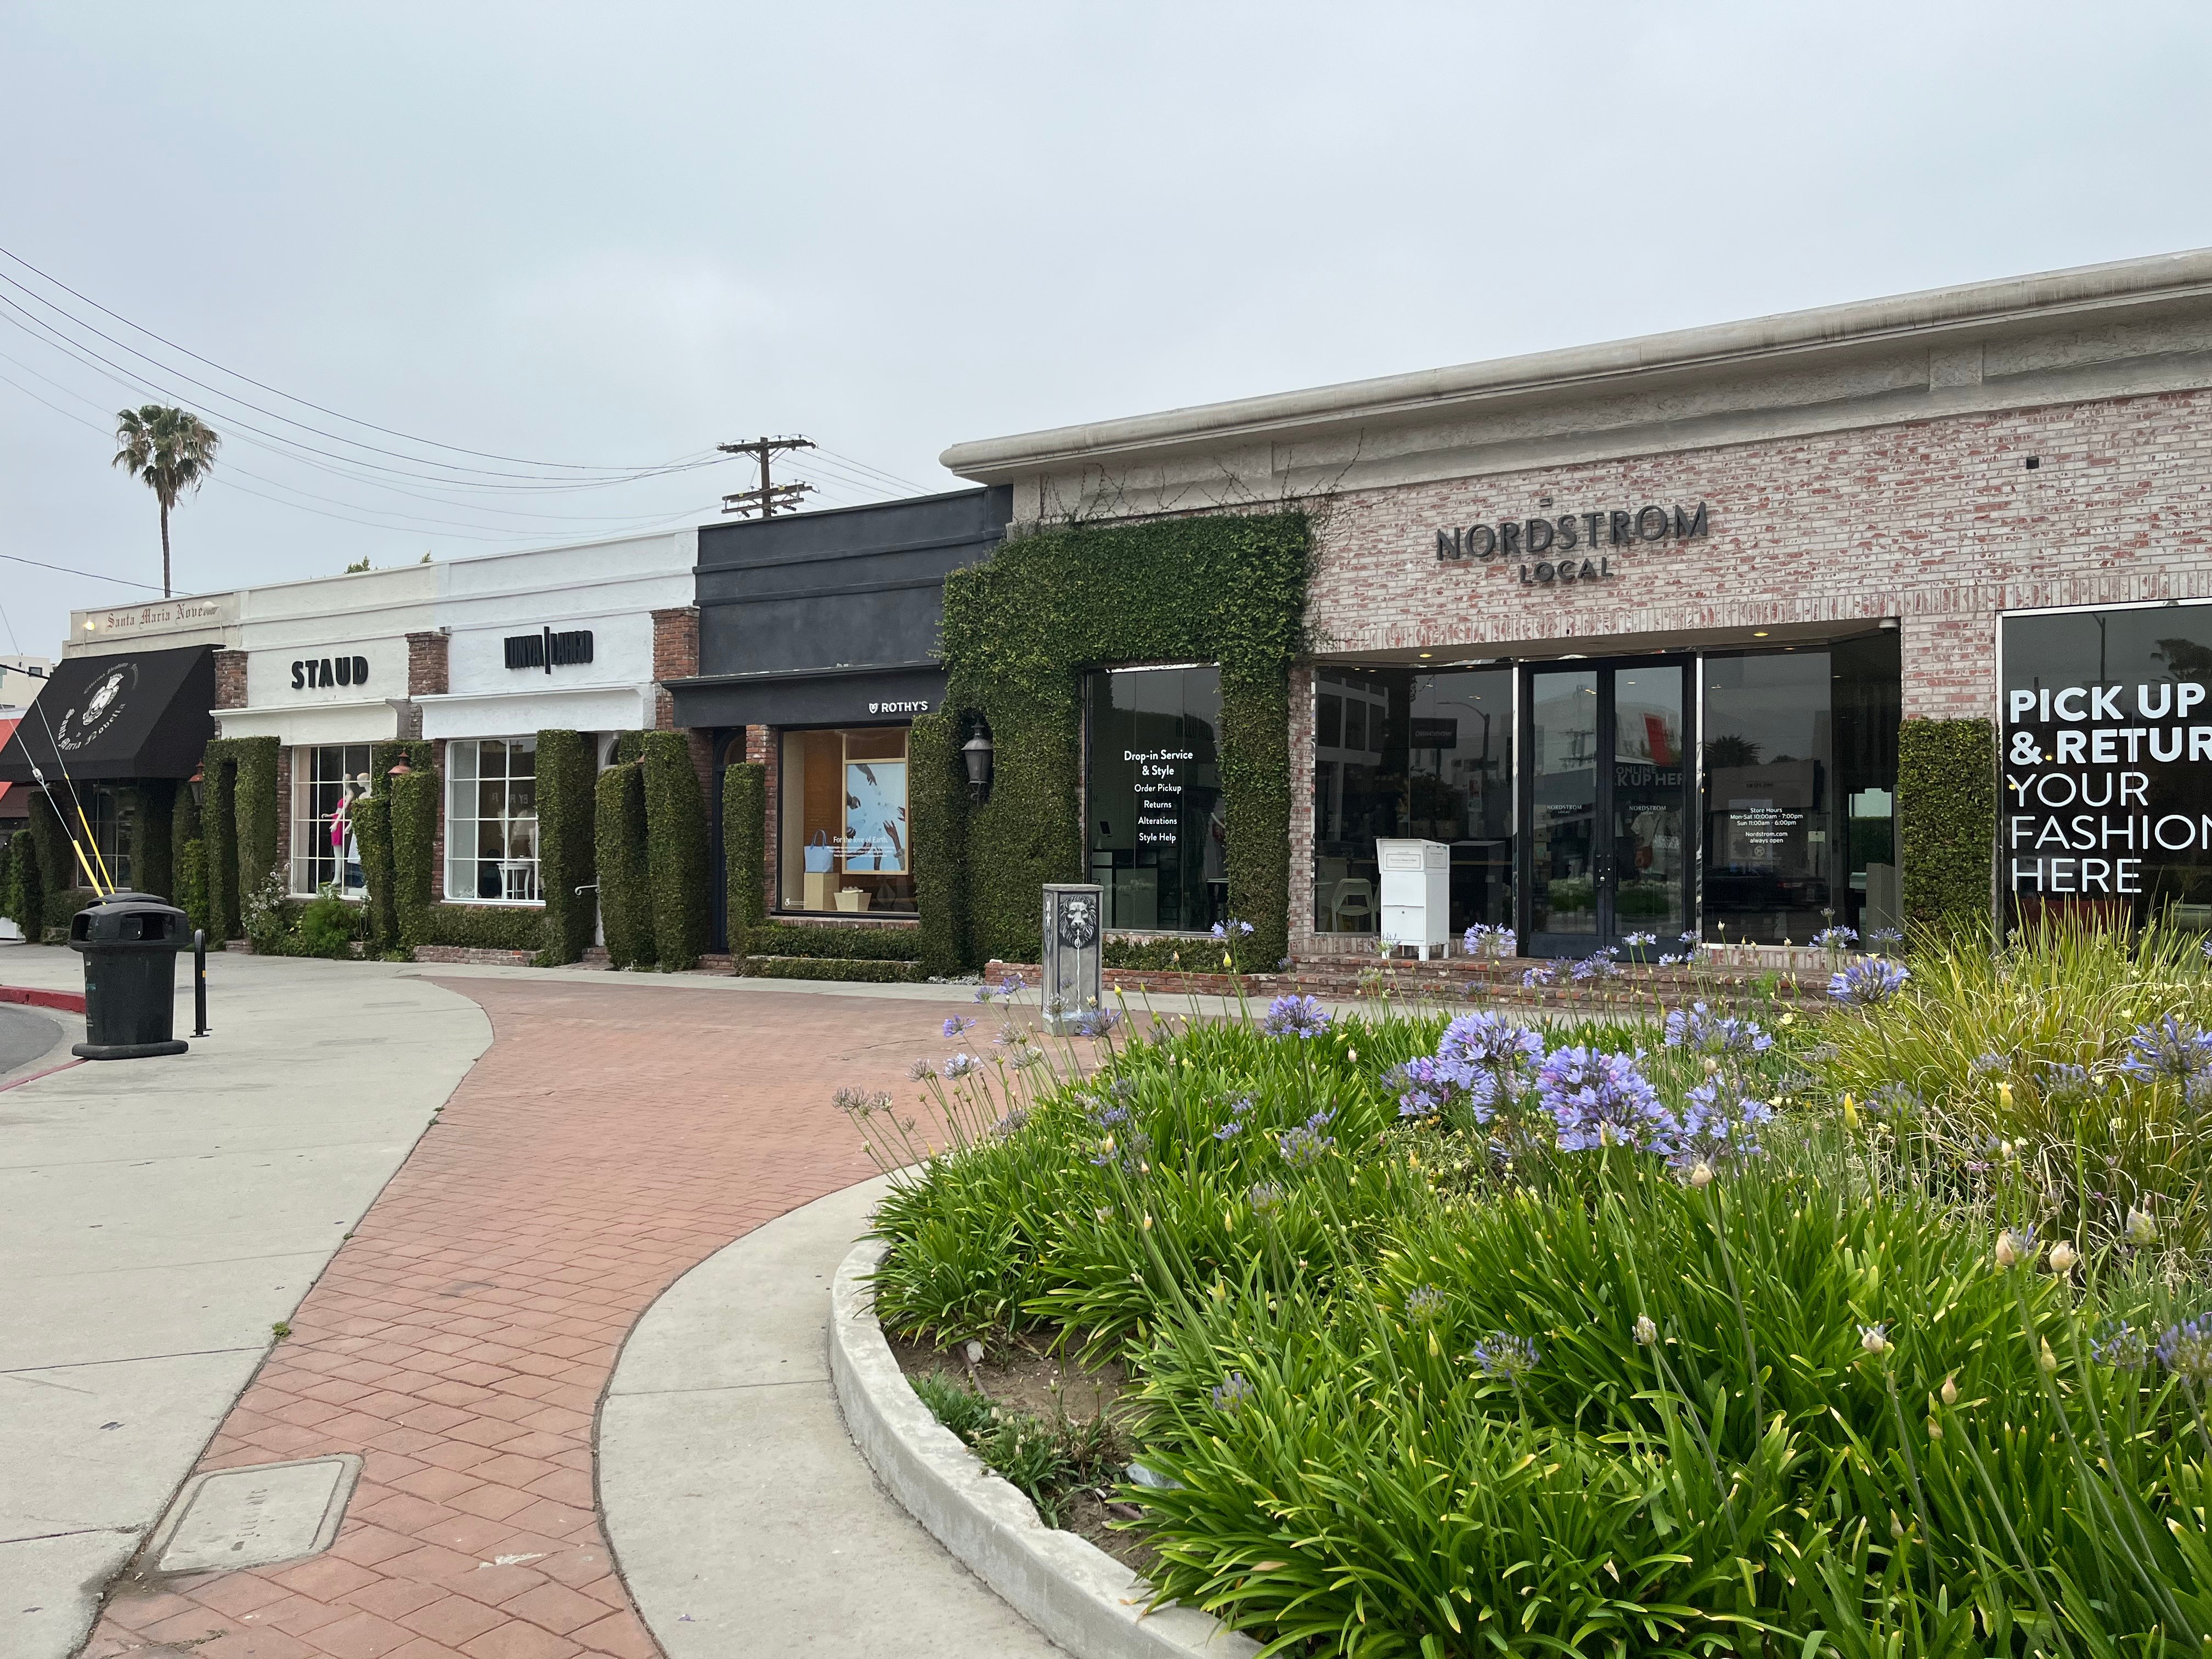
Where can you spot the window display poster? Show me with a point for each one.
(2105, 762)
(875, 817)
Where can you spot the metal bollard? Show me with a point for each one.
(199, 982)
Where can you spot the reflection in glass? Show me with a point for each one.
(1649, 799)
(1158, 834)
(326, 780)
(491, 820)
(846, 844)
(1563, 757)
(1427, 755)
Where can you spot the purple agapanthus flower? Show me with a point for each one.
(1095, 1023)
(1225, 930)
(2174, 1050)
(1295, 1017)
(1305, 1145)
(1717, 1121)
(1505, 1355)
(1599, 1099)
(955, 1025)
(1868, 981)
(1698, 1028)
(1533, 977)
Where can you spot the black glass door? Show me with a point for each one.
(1607, 806)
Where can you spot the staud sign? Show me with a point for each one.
(2106, 763)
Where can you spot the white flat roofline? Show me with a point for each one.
(1966, 308)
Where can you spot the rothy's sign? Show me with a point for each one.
(2105, 764)
(1572, 546)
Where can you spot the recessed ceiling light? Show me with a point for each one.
(1425, 655)
(1759, 632)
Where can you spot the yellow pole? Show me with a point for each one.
(92, 842)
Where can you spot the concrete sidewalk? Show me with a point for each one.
(740, 1511)
(158, 1216)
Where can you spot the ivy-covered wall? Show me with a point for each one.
(566, 772)
(1021, 630)
(22, 893)
(1947, 809)
(153, 852)
(744, 850)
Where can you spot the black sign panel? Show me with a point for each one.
(2105, 767)
(548, 650)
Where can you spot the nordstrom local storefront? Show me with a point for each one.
(1644, 636)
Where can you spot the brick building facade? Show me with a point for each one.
(1917, 467)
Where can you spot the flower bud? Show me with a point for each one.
(2142, 1230)
(2064, 1256)
(2047, 1359)
(1850, 1112)
(1934, 1430)
(1950, 1392)
(1874, 1339)
(1711, 1066)
(2008, 1252)
(1646, 1332)
(1701, 1175)
(2004, 1097)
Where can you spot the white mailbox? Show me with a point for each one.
(1416, 893)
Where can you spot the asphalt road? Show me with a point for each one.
(24, 1034)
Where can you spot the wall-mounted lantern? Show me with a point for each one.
(976, 752)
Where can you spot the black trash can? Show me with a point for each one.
(129, 942)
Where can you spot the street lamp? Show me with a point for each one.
(976, 752)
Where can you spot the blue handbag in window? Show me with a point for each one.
(819, 854)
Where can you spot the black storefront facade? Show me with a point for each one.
(116, 739)
(819, 636)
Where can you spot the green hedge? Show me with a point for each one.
(566, 767)
(744, 851)
(22, 894)
(1184, 954)
(1020, 631)
(936, 818)
(153, 851)
(786, 938)
(372, 831)
(57, 860)
(412, 802)
(676, 851)
(831, 968)
(239, 824)
(484, 926)
(190, 865)
(625, 896)
(1947, 808)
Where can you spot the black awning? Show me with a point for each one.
(135, 714)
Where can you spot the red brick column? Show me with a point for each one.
(675, 657)
(427, 663)
(230, 679)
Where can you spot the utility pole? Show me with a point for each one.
(771, 497)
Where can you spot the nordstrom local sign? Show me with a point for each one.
(1571, 547)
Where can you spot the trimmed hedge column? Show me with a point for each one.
(219, 834)
(1946, 807)
(240, 824)
(937, 801)
(23, 895)
(565, 861)
(744, 850)
(153, 854)
(676, 851)
(413, 805)
(625, 899)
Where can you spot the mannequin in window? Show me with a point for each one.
(345, 845)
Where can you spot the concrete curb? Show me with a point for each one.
(1075, 1593)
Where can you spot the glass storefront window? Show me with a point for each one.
(1157, 836)
(326, 780)
(845, 843)
(114, 813)
(1800, 784)
(1427, 755)
(491, 820)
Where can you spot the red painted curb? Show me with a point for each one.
(68, 1002)
(17, 1083)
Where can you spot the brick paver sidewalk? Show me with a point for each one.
(611, 1138)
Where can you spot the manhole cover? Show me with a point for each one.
(253, 1518)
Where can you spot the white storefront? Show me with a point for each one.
(557, 639)
(478, 654)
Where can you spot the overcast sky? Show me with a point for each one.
(613, 236)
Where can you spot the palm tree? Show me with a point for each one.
(173, 450)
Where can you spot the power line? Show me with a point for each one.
(304, 402)
(95, 575)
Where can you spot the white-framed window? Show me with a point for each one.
(491, 820)
(326, 780)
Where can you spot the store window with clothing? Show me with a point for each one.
(491, 820)
(1426, 756)
(846, 846)
(1158, 833)
(326, 781)
(1800, 791)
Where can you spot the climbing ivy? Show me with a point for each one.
(566, 770)
(1022, 629)
(625, 899)
(1947, 809)
(744, 850)
(676, 851)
